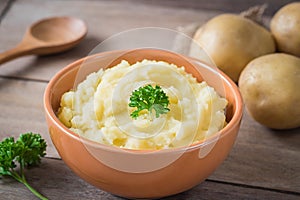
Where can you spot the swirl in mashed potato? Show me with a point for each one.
(98, 108)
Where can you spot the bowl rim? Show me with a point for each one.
(235, 120)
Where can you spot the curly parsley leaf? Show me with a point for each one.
(34, 147)
(27, 151)
(8, 153)
(149, 98)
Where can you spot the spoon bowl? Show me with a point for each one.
(48, 36)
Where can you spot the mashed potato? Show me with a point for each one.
(98, 109)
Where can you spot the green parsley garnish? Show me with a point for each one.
(149, 98)
(27, 151)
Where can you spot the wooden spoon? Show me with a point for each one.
(48, 36)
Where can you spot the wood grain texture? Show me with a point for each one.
(235, 6)
(54, 180)
(104, 19)
(260, 157)
(258, 154)
(22, 110)
(263, 157)
(47, 37)
(264, 164)
(4, 6)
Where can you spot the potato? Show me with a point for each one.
(285, 26)
(270, 87)
(232, 41)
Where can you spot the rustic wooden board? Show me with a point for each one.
(55, 180)
(234, 6)
(264, 164)
(103, 19)
(260, 157)
(4, 5)
(21, 110)
(263, 157)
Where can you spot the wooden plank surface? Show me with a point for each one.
(4, 6)
(258, 154)
(264, 164)
(263, 157)
(234, 6)
(22, 110)
(104, 19)
(59, 182)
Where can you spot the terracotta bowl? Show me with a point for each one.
(140, 173)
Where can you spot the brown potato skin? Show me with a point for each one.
(232, 41)
(285, 27)
(270, 87)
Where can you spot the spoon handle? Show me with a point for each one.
(19, 50)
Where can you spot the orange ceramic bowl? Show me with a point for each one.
(140, 173)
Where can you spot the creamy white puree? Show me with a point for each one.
(98, 109)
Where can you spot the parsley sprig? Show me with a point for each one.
(149, 98)
(27, 151)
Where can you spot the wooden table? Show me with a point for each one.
(264, 164)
